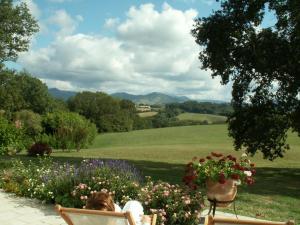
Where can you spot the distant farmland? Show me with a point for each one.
(202, 117)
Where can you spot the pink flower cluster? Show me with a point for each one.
(172, 203)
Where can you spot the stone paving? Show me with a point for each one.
(23, 211)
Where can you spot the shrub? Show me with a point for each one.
(68, 130)
(30, 122)
(55, 182)
(172, 203)
(11, 138)
(39, 149)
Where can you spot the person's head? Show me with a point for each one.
(100, 201)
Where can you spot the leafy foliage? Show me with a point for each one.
(18, 91)
(16, 26)
(202, 107)
(263, 65)
(68, 130)
(30, 122)
(109, 114)
(11, 138)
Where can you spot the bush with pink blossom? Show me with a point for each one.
(173, 204)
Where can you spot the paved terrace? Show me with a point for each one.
(23, 211)
(16, 210)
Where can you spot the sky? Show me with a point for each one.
(112, 46)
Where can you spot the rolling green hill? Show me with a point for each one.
(177, 145)
(202, 117)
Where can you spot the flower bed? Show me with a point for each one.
(70, 185)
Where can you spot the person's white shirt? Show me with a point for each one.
(136, 209)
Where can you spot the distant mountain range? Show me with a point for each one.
(151, 99)
(60, 94)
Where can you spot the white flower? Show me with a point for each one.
(248, 173)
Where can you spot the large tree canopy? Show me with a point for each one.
(109, 114)
(262, 63)
(18, 90)
(16, 27)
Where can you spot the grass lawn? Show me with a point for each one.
(202, 117)
(162, 154)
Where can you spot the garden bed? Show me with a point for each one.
(70, 184)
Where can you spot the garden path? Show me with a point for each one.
(22, 211)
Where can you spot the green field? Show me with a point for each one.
(147, 114)
(162, 154)
(202, 117)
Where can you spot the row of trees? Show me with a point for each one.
(109, 114)
(223, 109)
(32, 114)
(64, 130)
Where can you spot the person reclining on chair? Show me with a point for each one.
(104, 201)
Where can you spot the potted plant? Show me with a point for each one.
(220, 175)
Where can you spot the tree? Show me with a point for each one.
(263, 64)
(109, 114)
(16, 27)
(18, 90)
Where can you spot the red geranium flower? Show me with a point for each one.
(235, 176)
(219, 168)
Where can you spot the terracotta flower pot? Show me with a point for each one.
(221, 192)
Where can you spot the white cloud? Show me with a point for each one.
(151, 51)
(62, 85)
(111, 22)
(64, 21)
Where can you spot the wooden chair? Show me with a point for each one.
(210, 220)
(74, 216)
